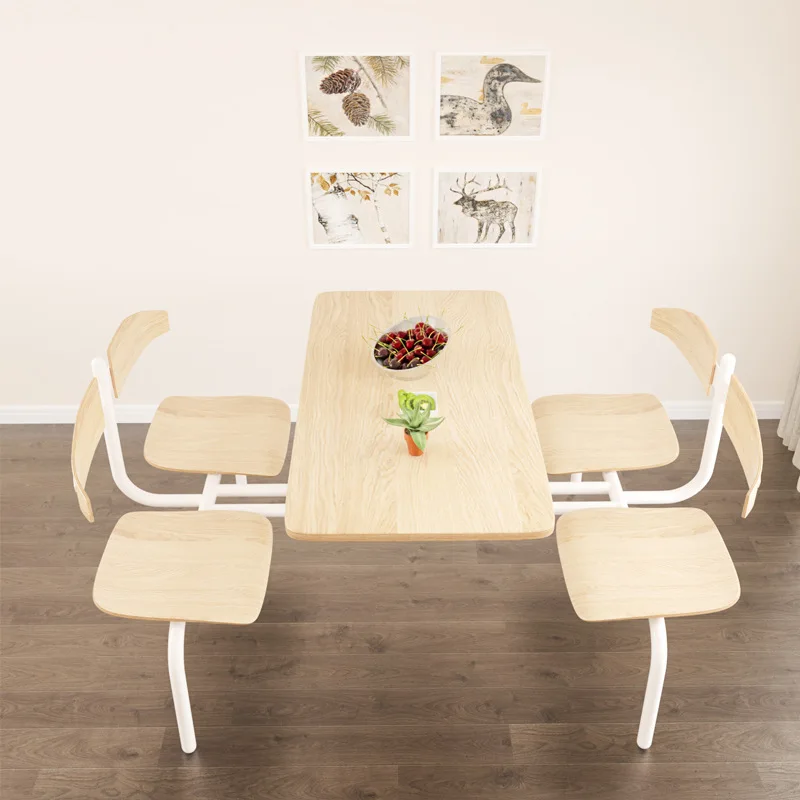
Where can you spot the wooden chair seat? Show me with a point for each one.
(626, 563)
(603, 432)
(225, 435)
(193, 566)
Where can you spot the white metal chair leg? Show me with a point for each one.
(655, 681)
(576, 477)
(241, 480)
(180, 689)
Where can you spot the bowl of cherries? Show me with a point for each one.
(410, 348)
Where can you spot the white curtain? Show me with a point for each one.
(789, 426)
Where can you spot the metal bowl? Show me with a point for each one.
(423, 369)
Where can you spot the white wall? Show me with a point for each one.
(151, 157)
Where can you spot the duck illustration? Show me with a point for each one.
(463, 116)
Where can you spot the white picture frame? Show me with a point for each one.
(311, 211)
(487, 170)
(304, 104)
(543, 54)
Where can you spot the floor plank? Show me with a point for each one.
(675, 742)
(207, 783)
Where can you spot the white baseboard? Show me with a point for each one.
(689, 409)
(42, 415)
(27, 415)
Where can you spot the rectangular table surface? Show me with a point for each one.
(482, 476)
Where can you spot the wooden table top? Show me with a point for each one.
(482, 476)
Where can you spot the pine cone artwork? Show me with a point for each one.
(341, 81)
(356, 107)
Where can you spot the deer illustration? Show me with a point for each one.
(487, 212)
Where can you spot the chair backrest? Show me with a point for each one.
(85, 437)
(692, 337)
(741, 424)
(133, 335)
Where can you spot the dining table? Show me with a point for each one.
(482, 476)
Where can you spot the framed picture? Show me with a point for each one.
(359, 209)
(487, 208)
(369, 97)
(491, 95)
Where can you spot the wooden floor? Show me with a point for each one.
(392, 671)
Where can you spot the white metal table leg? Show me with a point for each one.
(576, 477)
(180, 690)
(241, 480)
(655, 681)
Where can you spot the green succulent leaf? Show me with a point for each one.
(432, 424)
(419, 439)
(400, 423)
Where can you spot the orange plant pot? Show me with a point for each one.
(413, 450)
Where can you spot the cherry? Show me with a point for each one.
(430, 352)
(427, 342)
(385, 339)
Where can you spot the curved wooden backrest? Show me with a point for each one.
(85, 437)
(741, 424)
(133, 335)
(692, 337)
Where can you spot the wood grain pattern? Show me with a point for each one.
(36, 748)
(265, 672)
(692, 337)
(421, 646)
(741, 424)
(644, 781)
(637, 563)
(604, 432)
(129, 341)
(482, 475)
(604, 743)
(201, 783)
(780, 781)
(196, 566)
(88, 429)
(219, 435)
(335, 745)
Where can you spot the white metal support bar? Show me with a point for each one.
(180, 689)
(117, 463)
(611, 485)
(655, 682)
(114, 447)
(615, 492)
(722, 382)
(210, 488)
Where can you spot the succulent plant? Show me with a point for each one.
(415, 416)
